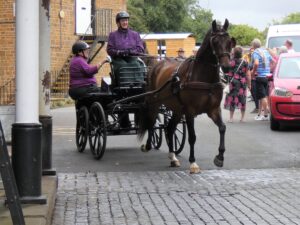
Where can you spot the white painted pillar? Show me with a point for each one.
(45, 58)
(27, 130)
(27, 61)
(45, 117)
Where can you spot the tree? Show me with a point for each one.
(161, 16)
(137, 17)
(198, 23)
(157, 15)
(289, 19)
(244, 34)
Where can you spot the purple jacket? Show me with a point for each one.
(81, 73)
(124, 40)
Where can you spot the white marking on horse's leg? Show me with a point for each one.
(194, 168)
(174, 161)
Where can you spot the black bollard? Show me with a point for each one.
(47, 169)
(27, 161)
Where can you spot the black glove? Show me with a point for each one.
(123, 53)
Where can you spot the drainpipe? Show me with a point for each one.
(27, 130)
(45, 117)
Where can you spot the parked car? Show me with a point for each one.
(285, 91)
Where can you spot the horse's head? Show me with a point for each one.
(221, 44)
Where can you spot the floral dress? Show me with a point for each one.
(236, 98)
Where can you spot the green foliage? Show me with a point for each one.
(244, 34)
(162, 16)
(198, 23)
(289, 19)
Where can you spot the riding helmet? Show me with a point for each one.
(122, 15)
(79, 46)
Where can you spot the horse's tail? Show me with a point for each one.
(142, 121)
(144, 117)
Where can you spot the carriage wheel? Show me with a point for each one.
(179, 134)
(156, 139)
(82, 126)
(97, 130)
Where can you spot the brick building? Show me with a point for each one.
(66, 27)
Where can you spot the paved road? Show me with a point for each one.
(259, 183)
(248, 145)
(268, 196)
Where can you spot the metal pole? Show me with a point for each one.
(26, 131)
(45, 117)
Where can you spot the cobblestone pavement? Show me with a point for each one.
(255, 196)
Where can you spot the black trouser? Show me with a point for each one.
(253, 93)
(79, 92)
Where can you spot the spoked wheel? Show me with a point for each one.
(97, 130)
(156, 139)
(82, 127)
(179, 134)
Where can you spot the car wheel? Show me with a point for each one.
(274, 124)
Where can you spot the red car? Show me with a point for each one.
(285, 91)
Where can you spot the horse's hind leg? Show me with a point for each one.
(190, 122)
(169, 134)
(217, 118)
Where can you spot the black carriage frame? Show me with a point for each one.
(98, 115)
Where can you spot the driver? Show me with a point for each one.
(124, 44)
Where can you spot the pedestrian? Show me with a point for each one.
(261, 59)
(82, 75)
(289, 45)
(239, 80)
(180, 55)
(253, 82)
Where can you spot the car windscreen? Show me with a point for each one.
(289, 67)
(275, 42)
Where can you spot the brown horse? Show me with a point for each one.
(190, 88)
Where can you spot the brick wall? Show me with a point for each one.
(62, 33)
(7, 43)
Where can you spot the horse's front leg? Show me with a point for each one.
(170, 134)
(190, 122)
(217, 118)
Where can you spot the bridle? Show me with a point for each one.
(213, 36)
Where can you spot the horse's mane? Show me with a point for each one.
(205, 44)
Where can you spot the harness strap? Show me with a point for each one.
(201, 85)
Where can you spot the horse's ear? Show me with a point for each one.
(233, 42)
(214, 26)
(226, 25)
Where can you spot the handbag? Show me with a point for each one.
(227, 89)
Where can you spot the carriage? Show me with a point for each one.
(122, 93)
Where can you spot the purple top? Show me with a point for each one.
(81, 73)
(123, 40)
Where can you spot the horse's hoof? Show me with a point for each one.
(218, 162)
(144, 149)
(194, 169)
(175, 164)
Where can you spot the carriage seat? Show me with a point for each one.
(127, 72)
